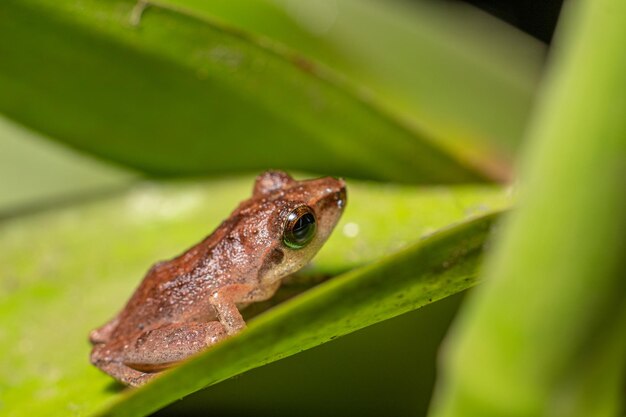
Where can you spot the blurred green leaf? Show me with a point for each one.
(170, 92)
(35, 173)
(465, 75)
(66, 272)
(546, 334)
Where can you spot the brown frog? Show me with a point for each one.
(191, 302)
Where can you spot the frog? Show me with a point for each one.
(193, 301)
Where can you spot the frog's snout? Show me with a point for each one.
(328, 195)
(335, 192)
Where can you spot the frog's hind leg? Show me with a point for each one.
(163, 347)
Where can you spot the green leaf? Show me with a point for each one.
(37, 173)
(170, 92)
(427, 61)
(546, 334)
(67, 271)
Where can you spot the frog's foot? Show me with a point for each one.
(102, 357)
(165, 346)
(126, 374)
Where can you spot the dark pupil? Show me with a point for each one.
(303, 226)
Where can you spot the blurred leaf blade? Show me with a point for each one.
(546, 333)
(173, 93)
(107, 246)
(38, 173)
(428, 61)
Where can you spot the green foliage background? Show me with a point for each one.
(422, 106)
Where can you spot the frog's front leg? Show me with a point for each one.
(225, 303)
(226, 299)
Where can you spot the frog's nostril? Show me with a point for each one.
(340, 197)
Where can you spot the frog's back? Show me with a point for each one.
(158, 299)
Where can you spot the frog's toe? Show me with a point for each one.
(96, 336)
(103, 334)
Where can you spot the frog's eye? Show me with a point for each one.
(300, 227)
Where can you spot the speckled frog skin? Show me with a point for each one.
(191, 302)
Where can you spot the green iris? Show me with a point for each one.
(300, 227)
